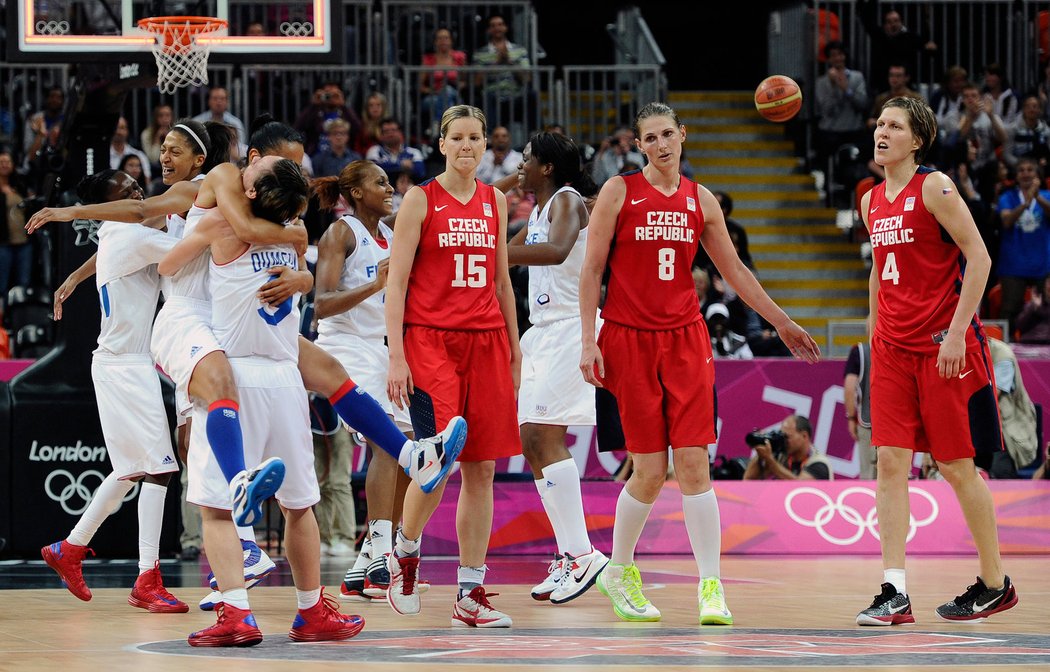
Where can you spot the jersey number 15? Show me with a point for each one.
(470, 270)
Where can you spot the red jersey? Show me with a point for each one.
(650, 275)
(919, 268)
(451, 285)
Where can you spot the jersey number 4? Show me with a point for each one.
(889, 269)
(470, 271)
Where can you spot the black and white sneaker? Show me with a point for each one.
(979, 602)
(353, 588)
(888, 608)
(377, 578)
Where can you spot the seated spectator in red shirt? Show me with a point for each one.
(441, 89)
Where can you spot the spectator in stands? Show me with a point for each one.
(856, 387)
(899, 86)
(702, 283)
(725, 343)
(331, 161)
(981, 126)
(842, 102)
(328, 103)
(374, 111)
(41, 128)
(392, 155)
(441, 89)
(152, 136)
(406, 179)
(1044, 91)
(119, 148)
(892, 43)
(507, 96)
(797, 460)
(947, 105)
(1001, 99)
(500, 159)
(1029, 135)
(132, 165)
(219, 110)
(1016, 411)
(615, 151)
(1024, 252)
(16, 255)
(1034, 320)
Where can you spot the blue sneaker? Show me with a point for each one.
(432, 458)
(257, 565)
(249, 489)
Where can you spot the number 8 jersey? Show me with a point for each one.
(650, 261)
(919, 269)
(451, 285)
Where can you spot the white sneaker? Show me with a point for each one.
(475, 611)
(712, 598)
(403, 593)
(433, 458)
(249, 489)
(580, 574)
(542, 590)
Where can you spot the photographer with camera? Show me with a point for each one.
(614, 152)
(787, 454)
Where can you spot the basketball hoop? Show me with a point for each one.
(181, 60)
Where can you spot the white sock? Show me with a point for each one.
(238, 597)
(470, 578)
(566, 498)
(105, 503)
(404, 458)
(245, 532)
(365, 556)
(307, 598)
(705, 531)
(552, 515)
(407, 548)
(381, 536)
(151, 516)
(895, 577)
(630, 521)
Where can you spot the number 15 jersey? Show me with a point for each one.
(650, 261)
(451, 285)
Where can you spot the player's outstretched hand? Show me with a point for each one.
(45, 215)
(399, 382)
(799, 342)
(592, 366)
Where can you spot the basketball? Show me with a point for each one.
(778, 98)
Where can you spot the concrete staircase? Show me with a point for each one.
(804, 261)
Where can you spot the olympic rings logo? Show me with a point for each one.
(864, 523)
(75, 491)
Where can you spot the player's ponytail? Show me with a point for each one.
(329, 189)
(221, 137)
(326, 191)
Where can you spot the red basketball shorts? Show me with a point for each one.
(468, 373)
(664, 384)
(913, 407)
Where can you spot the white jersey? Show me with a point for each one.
(192, 279)
(366, 319)
(554, 291)
(243, 326)
(128, 285)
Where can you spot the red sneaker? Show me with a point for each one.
(150, 594)
(65, 558)
(233, 627)
(323, 623)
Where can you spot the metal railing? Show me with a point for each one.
(635, 44)
(599, 98)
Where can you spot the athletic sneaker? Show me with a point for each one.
(233, 627)
(150, 594)
(542, 590)
(433, 458)
(377, 578)
(623, 585)
(713, 609)
(889, 608)
(66, 558)
(403, 593)
(249, 489)
(353, 587)
(323, 623)
(979, 602)
(257, 565)
(580, 574)
(474, 610)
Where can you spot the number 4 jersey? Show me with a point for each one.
(452, 281)
(650, 275)
(919, 269)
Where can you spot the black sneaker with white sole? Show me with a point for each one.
(979, 602)
(888, 608)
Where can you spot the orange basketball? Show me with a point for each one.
(778, 98)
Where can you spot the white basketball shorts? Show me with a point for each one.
(367, 362)
(553, 391)
(182, 337)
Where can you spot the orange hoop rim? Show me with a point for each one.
(196, 25)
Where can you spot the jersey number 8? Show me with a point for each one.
(666, 269)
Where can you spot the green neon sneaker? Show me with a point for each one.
(623, 585)
(713, 609)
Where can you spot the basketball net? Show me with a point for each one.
(181, 60)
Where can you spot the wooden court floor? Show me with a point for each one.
(791, 613)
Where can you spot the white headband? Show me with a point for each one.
(194, 136)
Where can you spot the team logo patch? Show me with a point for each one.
(690, 203)
(194, 350)
(487, 207)
(365, 242)
(167, 460)
(909, 204)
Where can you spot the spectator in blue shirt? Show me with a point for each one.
(1024, 248)
(338, 155)
(392, 155)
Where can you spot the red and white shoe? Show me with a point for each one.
(475, 611)
(323, 623)
(233, 627)
(150, 594)
(403, 593)
(66, 558)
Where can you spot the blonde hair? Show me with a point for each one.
(462, 112)
(921, 120)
